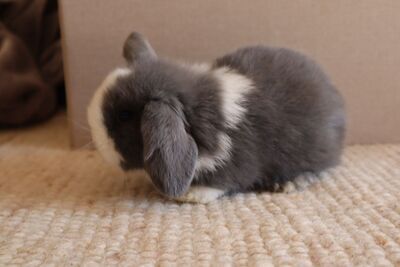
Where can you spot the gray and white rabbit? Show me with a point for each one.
(252, 120)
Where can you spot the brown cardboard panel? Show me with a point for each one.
(357, 42)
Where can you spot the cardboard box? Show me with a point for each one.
(357, 43)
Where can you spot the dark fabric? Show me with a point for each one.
(30, 61)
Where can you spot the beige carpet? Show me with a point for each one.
(61, 207)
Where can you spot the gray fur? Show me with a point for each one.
(164, 116)
(169, 152)
(136, 48)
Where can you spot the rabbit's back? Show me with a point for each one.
(295, 117)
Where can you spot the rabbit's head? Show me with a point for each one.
(137, 118)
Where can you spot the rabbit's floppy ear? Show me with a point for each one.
(137, 48)
(170, 153)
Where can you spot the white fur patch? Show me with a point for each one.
(300, 183)
(201, 194)
(96, 120)
(234, 88)
(211, 162)
(199, 68)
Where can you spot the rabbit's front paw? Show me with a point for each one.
(201, 194)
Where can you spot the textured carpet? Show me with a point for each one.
(60, 207)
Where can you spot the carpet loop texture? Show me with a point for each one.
(62, 207)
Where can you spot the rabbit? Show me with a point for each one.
(252, 120)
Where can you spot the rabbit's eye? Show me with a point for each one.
(125, 115)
